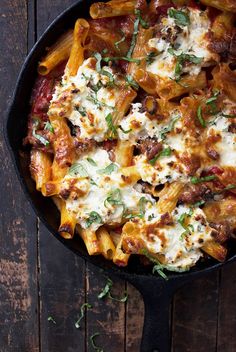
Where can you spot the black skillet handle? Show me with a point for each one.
(157, 295)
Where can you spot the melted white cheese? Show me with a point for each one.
(180, 249)
(191, 40)
(86, 108)
(101, 187)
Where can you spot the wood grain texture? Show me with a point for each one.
(18, 241)
(195, 316)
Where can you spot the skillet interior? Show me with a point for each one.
(16, 130)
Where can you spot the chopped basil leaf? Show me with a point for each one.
(111, 128)
(151, 57)
(114, 198)
(134, 37)
(125, 131)
(129, 79)
(164, 152)
(109, 75)
(108, 170)
(106, 292)
(150, 217)
(196, 180)
(98, 57)
(120, 41)
(98, 102)
(92, 162)
(181, 18)
(76, 169)
(229, 116)
(93, 217)
(142, 202)
(81, 110)
(116, 58)
(95, 347)
(82, 310)
(199, 116)
(143, 23)
(199, 203)
(169, 128)
(48, 127)
(181, 59)
(105, 51)
(52, 320)
(229, 187)
(158, 267)
(40, 138)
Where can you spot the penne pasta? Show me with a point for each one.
(106, 244)
(168, 197)
(91, 241)
(112, 8)
(57, 53)
(40, 167)
(68, 222)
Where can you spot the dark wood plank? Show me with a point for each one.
(134, 319)
(62, 288)
(227, 310)
(62, 274)
(195, 316)
(18, 241)
(107, 316)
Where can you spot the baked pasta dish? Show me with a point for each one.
(133, 130)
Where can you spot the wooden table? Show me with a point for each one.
(40, 278)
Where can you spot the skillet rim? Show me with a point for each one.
(98, 261)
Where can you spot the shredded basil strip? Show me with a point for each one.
(169, 128)
(92, 162)
(164, 152)
(106, 292)
(181, 59)
(108, 170)
(116, 58)
(95, 347)
(48, 127)
(143, 23)
(40, 138)
(98, 57)
(142, 202)
(98, 102)
(82, 310)
(120, 41)
(199, 203)
(196, 180)
(125, 131)
(114, 198)
(109, 75)
(150, 57)
(93, 217)
(158, 267)
(52, 320)
(229, 187)
(134, 37)
(229, 116)
(111, 127)
(131, 82)
(81, 110)
(181, 18)
(187, 228)
(78, 168)
(199, 116)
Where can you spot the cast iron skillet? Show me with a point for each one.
(157, 292)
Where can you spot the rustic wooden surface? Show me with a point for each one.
(40, 278)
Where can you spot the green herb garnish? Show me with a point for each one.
(108, 170)
(106, 292)
(52, 320)
(81, 110)
(131, 82)
(48, 126)
(229, 116)
(114, 198)
(111, 127)
(143, 23)
(40, 138)
(187, 228)
(92, 162)
(95, 347)
(120, 41)
(125, 131)
(98, 57)
(150, 57)
(181, 59)
(196, 180)
(164, 152)
(82, 310)
(98, 102)
(76, 169)
(169, 128)
(142, 202)
(181, 18)
(93, 217)
(134, 38)
(116, 58)
(110, 76)
(199, 203)
(158, 267)
(199, 116)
